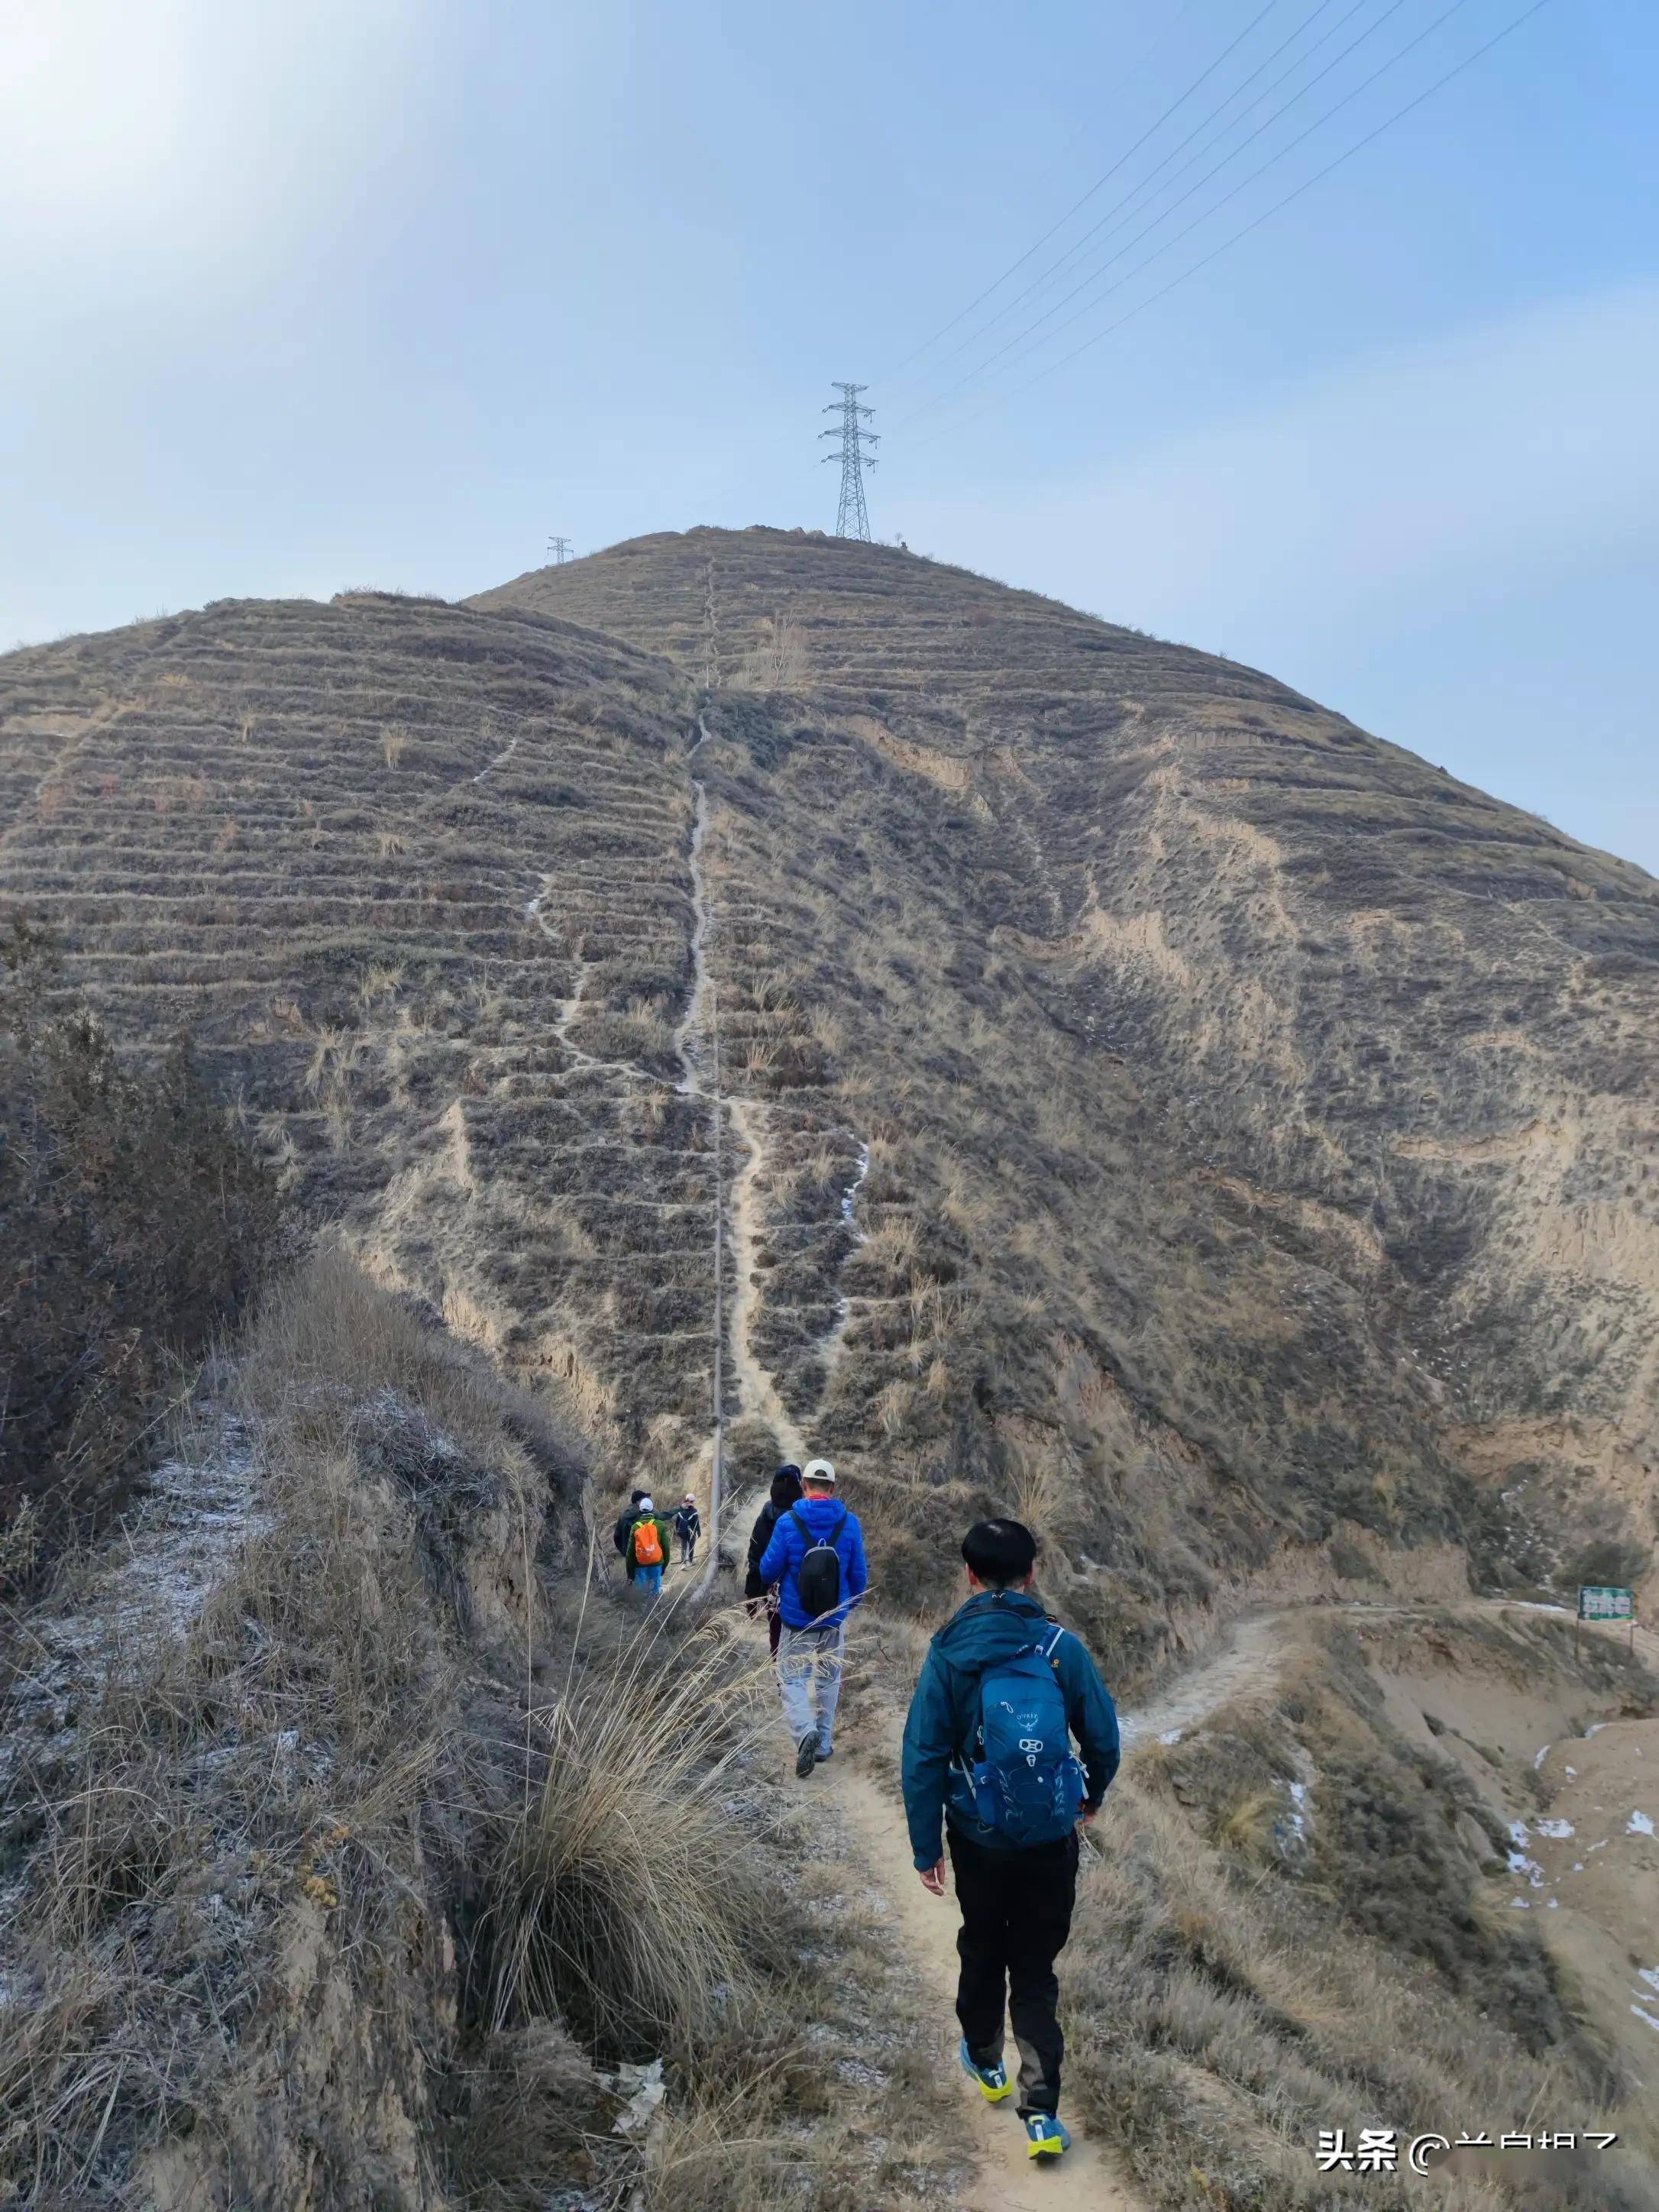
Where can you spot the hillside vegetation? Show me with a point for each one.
(1121, 1092)
(1261, 1122)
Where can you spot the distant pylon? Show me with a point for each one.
(851, 519)
(560, 548)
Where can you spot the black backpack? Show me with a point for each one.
(819, 1581)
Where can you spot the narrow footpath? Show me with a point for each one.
(1008, 2179)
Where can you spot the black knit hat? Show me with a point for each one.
(785, 1484)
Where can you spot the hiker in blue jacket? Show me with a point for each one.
(817, 1559)
(987, 1752)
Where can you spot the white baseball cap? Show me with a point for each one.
(817, 1470)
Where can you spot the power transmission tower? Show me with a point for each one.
(851, 519)
(560, 548)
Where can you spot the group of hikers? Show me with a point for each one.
(644, 1538)
(988, 1771)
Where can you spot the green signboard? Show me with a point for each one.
(1597, 1601)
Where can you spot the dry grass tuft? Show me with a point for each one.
(618, 1901)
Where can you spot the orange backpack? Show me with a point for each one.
(647, 1544)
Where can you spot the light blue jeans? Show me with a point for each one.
(649, 1579)
(809, 1680)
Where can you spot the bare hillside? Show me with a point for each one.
(418, 879)
(1272, 1116)
(1149, 1097)
(1121, 1092)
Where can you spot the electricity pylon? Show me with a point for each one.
(851, 519)
(560, 548)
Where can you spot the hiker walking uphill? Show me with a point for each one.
(987, 1752)
(687, 1527)
(623, 1529)
(815, 1556)
(786, 1491)
(644, 1541)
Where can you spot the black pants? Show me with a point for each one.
(1015, 1916)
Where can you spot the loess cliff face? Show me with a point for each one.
(1154, 1102)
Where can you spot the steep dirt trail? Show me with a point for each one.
(757, 1392)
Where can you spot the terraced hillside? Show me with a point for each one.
(418, 880)
(1122, 1090)
(1149, 1097)
(1261, 1121)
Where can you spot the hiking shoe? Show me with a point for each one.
(1045, 2136)
(825, 1751)
(807, 1756)
(994, 2082)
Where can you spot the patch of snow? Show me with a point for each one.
(1538, 1759)
(1170, 1735)
(1520, 1861)
(1651, 1976)
(1578, 1866)
(1556, 1828)
(1594, 1728)
(1639, 1824)
(1601, 1846)
(512, 747)
(1642, 2013)
(1519, 1904)
(644, 2088)
(1573, 1771)
(1552, 1903)
(1299, 1792)
(849, 1197)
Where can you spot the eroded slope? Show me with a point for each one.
(1263, 1121)
(418, 880)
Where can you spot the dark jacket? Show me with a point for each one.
(780, 1561)
(759, 1537)
(688, 1522)
(619, 1537)
(943, 1721)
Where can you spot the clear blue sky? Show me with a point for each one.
(382, 291)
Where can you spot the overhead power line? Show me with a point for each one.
(1071, 252)
(1204, 214)
(851, 519)
(1215, 206)
(1151, 132)
(1267, 214)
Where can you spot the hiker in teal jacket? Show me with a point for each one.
(1016, 1899)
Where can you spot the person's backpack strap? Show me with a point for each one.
(1048, 1647)
(794, 1515)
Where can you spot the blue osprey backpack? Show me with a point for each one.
(1026, 1782)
